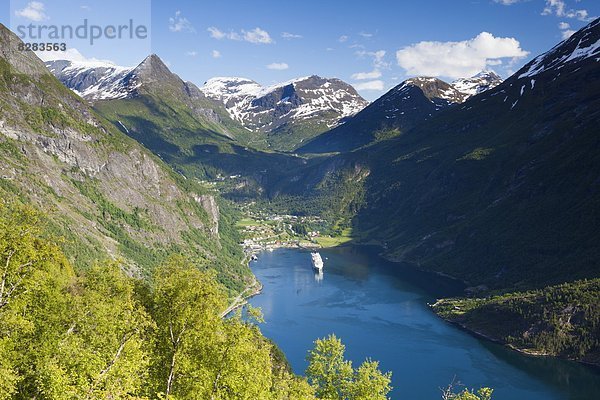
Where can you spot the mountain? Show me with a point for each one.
(107, 195)
(191, 132)
(97, 80)
(288, 113)
(279, 117)
(501, 190)
(403, 107)
(176, 121)
(94, 80)
(476, 84)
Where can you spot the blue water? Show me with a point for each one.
(379, 310)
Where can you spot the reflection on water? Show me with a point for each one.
(318, 275)
(380, 310)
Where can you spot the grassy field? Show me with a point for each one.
(329, 241)
(244, 222)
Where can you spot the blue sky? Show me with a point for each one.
(373, 45)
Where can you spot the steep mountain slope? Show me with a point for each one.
(177, 122)
(105, 193)
(503, 189)
(403, 107)
(289, 113)
(96, 81)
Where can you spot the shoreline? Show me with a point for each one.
(242, 299)
(526, 352)
(463, 327)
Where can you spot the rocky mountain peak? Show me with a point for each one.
(153, 69)
(477, 84)
(434, 89)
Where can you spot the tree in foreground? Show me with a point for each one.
(334, 378)
(100, 334)
(483, 393)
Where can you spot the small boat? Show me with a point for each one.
(317, 261)
(253, 257)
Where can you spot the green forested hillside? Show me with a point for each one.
(501, 191)
(561, 320)
(99, 334)
(103, 192)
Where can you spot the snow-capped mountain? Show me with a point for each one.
(106, 81)
(579, 54)
(94, 80)
(442, 94)
(308, 99)
(411, 102)
(585, 44)
(479, 83)
(301, 108)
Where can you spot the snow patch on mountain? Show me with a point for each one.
(479, 83)
(442, 93)
(260, 107)
(580, 46)
(94, 80)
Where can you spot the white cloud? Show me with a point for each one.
(179, 23)
(70, 54)
(563, 25)
(287, 35)
(216, 54)
(370, 85)
(343, 38)
(559, 8)
(554, 7)
(192, 53)
(215, 33)
(278, 66)
(378, 57)
(365, 34)
(566, 31)
(367, 75)
(256, 35)
(379, 63)
(458, 59)
(35, 11)
(507, 2)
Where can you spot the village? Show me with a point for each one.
(261, 231)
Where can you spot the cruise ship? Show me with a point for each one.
(317, 261)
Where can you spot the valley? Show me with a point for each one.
(471, 204)
(416, 172)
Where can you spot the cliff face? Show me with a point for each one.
(101, 190)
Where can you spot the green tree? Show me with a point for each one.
(483, 393)
(185, 306)
(370, 383)
(287, 386)
(328, 372)
(33, 277)
(242, 367)
(103, 351)
(334, 378)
